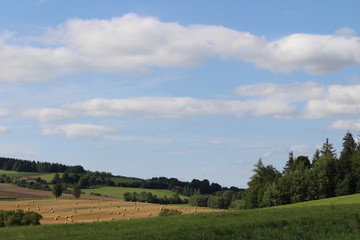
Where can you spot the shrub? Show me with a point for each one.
(169, 212)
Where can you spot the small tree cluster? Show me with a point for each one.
(19, 218)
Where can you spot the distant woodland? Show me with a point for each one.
(69, 176)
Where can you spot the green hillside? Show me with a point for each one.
(119, 191)
(342, 200)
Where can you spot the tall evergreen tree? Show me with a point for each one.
(349, 146)
(349, 149)
(328, 149)
(290, 163)
(316, 156)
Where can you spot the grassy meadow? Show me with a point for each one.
(45, 176)
(327, 221)
(119, 191)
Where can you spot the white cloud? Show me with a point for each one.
(214, 142)
(49, 114)
(285, 92)
(79, 131)
(309, 99)
(338, 101)
(3, 129)
(306, 100)
(345, 31)
(176, 107)
(132, 44)
(4, 112)
(345, 124)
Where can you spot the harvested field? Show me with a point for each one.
(91, 210)
(68, 209)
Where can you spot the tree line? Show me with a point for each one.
(302, 179)
(152, 198)
(19, 165)
(77, 175)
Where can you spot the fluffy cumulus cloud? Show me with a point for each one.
(338, 101)
(132, 44)
(79, 131)
(311, 99)
(307, 100)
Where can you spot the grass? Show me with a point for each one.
(348, 199)
(128, 180)
(302, 223)
(46, 176)
(119, 191)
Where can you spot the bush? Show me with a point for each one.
(18, 218)
(169, 212)
(198, 200)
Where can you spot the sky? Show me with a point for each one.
(186, 89)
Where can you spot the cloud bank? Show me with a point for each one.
(132, 44)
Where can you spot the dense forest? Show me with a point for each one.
(302, 179)
(41, 167)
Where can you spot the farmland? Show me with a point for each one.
(66, 210)
(313, 220)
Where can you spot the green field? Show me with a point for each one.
(119, 191)
(322, 220)
(127, 180)
(46, 176)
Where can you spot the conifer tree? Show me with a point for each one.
(290, 163)
(316, 156)
(328, 149)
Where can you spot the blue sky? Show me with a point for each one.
(185, 89)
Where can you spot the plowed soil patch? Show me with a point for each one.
(10, 190)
